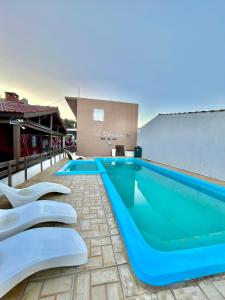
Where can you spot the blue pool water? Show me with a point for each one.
(169, 215)
(78, 166)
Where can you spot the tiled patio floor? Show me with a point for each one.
(107, 274)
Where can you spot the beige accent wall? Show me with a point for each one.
(96, 138)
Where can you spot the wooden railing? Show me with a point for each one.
(8, 168)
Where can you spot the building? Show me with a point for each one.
(28, 129)
(192, 141)
(71, 139)
(103, 124)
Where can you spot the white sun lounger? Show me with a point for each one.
(76, 157)
(72, 156)
(38, 249)
(18, 197)
(15, 220)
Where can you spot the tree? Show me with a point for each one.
(69, 123)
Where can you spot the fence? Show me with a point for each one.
(24, 164)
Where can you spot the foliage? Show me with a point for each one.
(69, 123)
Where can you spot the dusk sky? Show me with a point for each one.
(166, 55)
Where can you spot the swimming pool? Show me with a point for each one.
(173, 225)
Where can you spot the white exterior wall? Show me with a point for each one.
(192, 141)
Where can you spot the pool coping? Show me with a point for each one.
(157, 267)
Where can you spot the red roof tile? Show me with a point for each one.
(20, 107)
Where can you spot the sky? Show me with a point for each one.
(166, 55)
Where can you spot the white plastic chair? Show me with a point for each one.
(15, 220)
(37, 249)
(18, 197)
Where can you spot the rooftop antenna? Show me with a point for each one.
(78, 91)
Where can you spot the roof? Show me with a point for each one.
(21, 107)
(194, 112)
(28, 110)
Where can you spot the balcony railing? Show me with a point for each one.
(8, 168)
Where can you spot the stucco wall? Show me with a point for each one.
(94, 138)
(192, 141)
